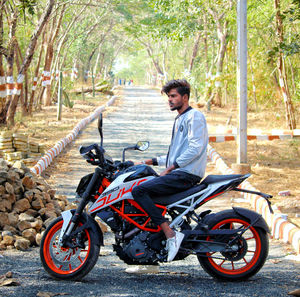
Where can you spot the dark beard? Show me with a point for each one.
(176, 107)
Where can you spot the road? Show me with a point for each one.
(141, 115)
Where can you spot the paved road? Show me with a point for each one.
(142, 115)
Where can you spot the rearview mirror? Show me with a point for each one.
(142, 145)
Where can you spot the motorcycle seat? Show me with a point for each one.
(169, 199)
(210, 179)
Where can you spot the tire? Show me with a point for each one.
(247, 261)
(68, 263)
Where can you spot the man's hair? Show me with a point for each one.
(181, 86)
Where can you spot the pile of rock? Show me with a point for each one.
(27, 206)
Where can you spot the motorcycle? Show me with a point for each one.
(230, 245)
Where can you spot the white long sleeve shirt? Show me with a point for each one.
(187, 150)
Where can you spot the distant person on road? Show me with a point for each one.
(185, 161)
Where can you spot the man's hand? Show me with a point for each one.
(168, 170)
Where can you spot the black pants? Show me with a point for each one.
(174, 182)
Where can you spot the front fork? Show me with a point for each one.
(71, 220)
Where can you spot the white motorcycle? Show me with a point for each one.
(230, 245)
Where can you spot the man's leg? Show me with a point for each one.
(164, 185)
(172, 183)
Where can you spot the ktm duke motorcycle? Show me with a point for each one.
(230, 245)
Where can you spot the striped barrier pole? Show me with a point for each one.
(53, 152)
(281, 228)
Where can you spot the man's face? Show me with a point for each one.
(176, 101)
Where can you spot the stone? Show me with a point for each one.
(29, 234)
(18, 187)
(8, 240)
(37, 203)
(50, 214)
(9, 188)
(29, 195)
(10, 197)
(46, 197)
(13, 219)
(3, 174)
(50, 206)
(12, 176)
(51, 192)
(48, 222)
(11, 229)
(36, 191)
(26, 217)
(61, 205)
(23, 225)
(21, 172)
(8, 233)
(42, 188)
(20, 165)
(2, 190)
(37, 224)
(38, 238)
(22, 205)
(32, 212)
(5, 205)
(22, 244)
(42, 211)
(28, 182)
(3, 219)
(3, 164)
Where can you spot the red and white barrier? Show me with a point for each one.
(46, 160)
(46, 78)
(35, 79)
(223, 138)
(18, 85)
(281, 228)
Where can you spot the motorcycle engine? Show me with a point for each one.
(138, 249)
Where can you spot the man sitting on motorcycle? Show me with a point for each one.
(185, 162)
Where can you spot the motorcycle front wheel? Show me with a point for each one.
(68, 263)
(253, 248)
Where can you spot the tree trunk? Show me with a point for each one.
(289, 110)
(27, 60)
(35, 79)
(195, 52)
(10, 65)
(23, 92)
(2, 73)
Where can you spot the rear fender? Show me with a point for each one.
(85, 219)
(256, 219)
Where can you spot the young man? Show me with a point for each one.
(185, 161)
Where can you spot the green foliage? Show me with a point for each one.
(27, 6)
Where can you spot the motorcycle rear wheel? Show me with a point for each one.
(67, 263)
(247, 261)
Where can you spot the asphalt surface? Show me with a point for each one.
(142, 115)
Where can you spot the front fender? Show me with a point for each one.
(255, 219)
(85, 219)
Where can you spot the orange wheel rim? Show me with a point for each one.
(64, 260)
(250, 256)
